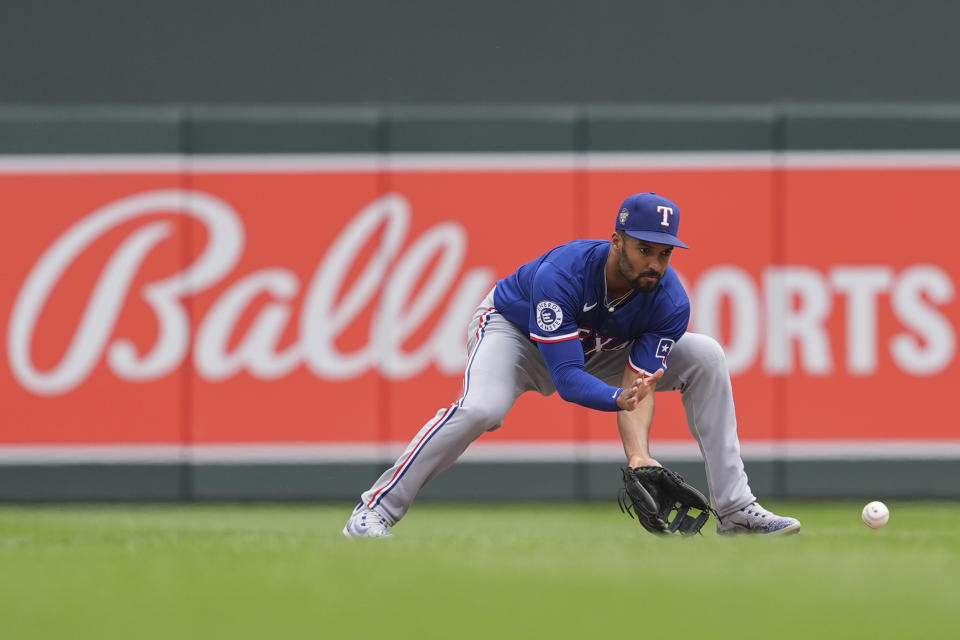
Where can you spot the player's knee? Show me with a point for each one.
(485, 416)
(705, 350)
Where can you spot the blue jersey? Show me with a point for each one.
(559, 297)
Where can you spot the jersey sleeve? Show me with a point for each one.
(553, 306)
(573, 383)
(651, 350)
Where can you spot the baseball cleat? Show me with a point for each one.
(366, 523)
(755, 519)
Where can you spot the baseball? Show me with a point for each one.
(875, 514)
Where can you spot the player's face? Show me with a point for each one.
(643, 264)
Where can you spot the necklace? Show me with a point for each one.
(611, 305)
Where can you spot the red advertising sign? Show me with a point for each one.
(322, 304)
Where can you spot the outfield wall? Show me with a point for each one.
(231, 304)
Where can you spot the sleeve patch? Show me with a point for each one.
(663, 349)
(549, 315)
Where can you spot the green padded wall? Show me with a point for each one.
(481, 130)
(853, 128)
(371, 130)
(275, 130)
(90, 130)
(679, 129)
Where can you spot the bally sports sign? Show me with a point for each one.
(286, 301)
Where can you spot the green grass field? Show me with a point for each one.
(534, 571)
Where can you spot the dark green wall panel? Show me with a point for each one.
(872, 480)
(465, 481)
(92, 482)
(504, 481)
(237, 482)
(679, 129)
(481, 130)
(227, 130)
(866, 127)
(90, 130)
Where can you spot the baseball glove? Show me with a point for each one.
(653, 493)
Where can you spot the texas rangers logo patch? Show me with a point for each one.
(663, 349)
(549, 316)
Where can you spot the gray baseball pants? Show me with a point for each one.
(504, 363)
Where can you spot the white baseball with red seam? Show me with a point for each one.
(875, 514)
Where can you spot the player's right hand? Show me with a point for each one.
(642, 387)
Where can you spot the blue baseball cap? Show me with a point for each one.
(647, 216)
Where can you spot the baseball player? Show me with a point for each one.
(603, 323)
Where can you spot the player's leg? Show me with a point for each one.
(698, 369)
(502, 364)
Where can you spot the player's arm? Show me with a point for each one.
(649, 353)
(552, 327)
(634, 424)
(564, 359)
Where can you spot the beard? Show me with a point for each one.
(636, 282)
(646, 287)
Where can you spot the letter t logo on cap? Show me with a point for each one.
(667, 212)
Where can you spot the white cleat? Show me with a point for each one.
(366, 523)
(755, 519)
